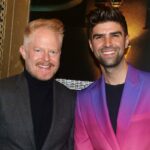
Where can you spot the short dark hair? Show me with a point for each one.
(104, 14)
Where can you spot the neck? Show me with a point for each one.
(115, 75)
(36, 82)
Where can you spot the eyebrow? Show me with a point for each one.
(102, 34)
(116, 32)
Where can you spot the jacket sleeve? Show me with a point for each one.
(81, 138)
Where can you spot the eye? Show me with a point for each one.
(99, 36)
(37, 49)
(53, 52)
(116, 35)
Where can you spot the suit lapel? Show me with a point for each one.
(101, 112)
(24, 107)
(26, 116)
(58, 118)
(129, 102)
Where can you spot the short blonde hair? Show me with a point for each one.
(52, 24)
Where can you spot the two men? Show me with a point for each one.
(36, 112)
(114, 112)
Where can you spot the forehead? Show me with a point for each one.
(45, 34)
(43, 37)
(107, 27)
(43, 31)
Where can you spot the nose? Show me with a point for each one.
(108, 41)
(46, 56)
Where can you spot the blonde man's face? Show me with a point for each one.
(42, 53)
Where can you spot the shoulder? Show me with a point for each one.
(11, 85)
(90, 88)
(145, 77)
(138, 74)
(11, 81)
(59, 87)
(142, 74)
(64, 96)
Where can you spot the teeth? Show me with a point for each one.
(45, 67)
(108, 52)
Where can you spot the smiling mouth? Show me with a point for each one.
(47, 66)
(108, 52)
(44, 67)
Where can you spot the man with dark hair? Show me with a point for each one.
(36, 111)
(113, 113)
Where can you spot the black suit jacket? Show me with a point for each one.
(16, 126)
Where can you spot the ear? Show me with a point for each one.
(127, 42)
(90, 44)
(22, 51)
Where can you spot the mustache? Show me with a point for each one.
(45, 64)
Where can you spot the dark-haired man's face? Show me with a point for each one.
(108, 43)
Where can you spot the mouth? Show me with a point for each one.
(108, 52)
(45, 66)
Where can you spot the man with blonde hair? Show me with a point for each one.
(36, 112)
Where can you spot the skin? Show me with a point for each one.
(109, 43)
(41, 53)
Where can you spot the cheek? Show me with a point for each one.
(34, 57)
(123, 45)
(98, 44)
(55, 60)
(93, 46)
(96, 53)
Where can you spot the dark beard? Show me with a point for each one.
(116, 63)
